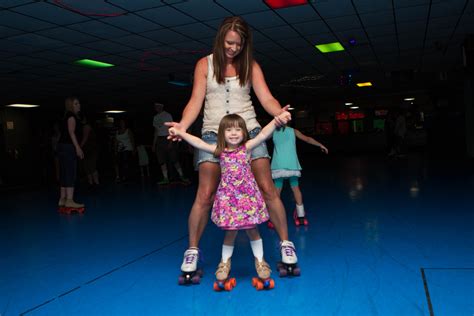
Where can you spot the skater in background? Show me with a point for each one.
(238, 202)
(124, 148)
(90, 148)
(222, 83)
(143, 161)
(166, 150)
(68, 151)
(286, 166)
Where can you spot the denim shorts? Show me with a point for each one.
(211, 138)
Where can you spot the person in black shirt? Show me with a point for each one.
(68, 152)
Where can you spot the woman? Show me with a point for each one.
(68, 150)
(222, 80)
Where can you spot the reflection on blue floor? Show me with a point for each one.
(373, 225)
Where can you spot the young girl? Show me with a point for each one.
(238, 202)
(285, 165)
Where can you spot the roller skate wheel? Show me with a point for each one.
(254, 282)
(305, 222)
(233, 282)
(196, 279)
(297, 271)
(216, 287)
(228, 285)
(181, 280)
(271, 284)
(282, 272)
(259, 285)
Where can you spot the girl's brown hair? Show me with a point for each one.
(231, 120)
(244, 60)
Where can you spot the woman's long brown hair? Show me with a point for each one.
(244, 60)
(231, 120)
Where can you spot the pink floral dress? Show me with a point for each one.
(238, 203)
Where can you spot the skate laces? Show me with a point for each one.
(190, 256)
(223, 267)
(288, 248)
(262, 266)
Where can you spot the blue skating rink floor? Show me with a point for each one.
(386, 237)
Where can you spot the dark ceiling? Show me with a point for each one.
(150, 41)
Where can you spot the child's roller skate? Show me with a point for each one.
(71, 207)
(300, 221)
(190, 273)
(264, 281)
(223, 281)
(288, 265)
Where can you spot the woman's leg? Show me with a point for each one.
(262, 173)
(209, 175)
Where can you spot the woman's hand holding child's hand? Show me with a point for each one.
(283, 118)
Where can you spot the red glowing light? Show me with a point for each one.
(279, 4)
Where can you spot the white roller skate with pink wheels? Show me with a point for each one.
(190, 274)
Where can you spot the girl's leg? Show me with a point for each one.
(223, 269)
(261, 266)
(278, 185)
(256, 243)
(228, 246)
(297, 194)
(262, 173)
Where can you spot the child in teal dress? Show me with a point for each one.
(286, 166)
(238, 203)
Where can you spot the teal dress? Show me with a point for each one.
(285, 163)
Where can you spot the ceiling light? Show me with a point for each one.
(409, 99)
(364, 84)
(348, 103)
(279, 4)
(92, 63)
(114, 111)
(23, 105)
(329, 47)
(354, 107)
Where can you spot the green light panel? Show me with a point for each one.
(92, 63)
(330, 47)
